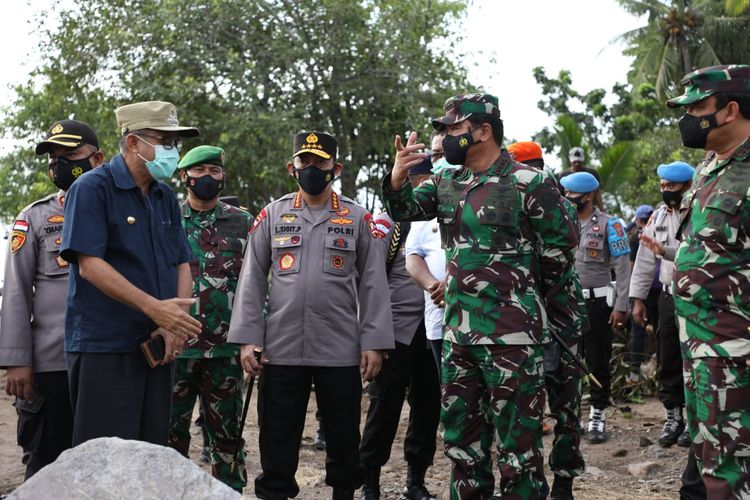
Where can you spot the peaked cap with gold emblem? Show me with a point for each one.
(68, 134)
(316, 143)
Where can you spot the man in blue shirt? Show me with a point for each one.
(129, 280)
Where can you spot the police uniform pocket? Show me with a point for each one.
(30, 422)
(338, 257)
(53, 264)
(721, 218)
(286, 253)
(593, 250)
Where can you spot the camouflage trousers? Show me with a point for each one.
(493, 392)
(563, 381)
(717, 400)
(218, 381)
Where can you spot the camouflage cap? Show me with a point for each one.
(460, 107)
(706, 82)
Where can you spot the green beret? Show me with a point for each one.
(203, 154)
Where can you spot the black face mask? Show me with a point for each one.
(205, 188)
(672, 198)
(694, 129)
(578, 202)
(314, 180)
(65, 172)
(455, 147)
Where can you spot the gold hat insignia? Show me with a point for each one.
(312, 138)
(56, 129)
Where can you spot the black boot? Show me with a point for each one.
(342, 494)
(562, 488)
(415, 489)
(674, 426)
(371, 488)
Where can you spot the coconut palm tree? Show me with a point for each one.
(680, 36)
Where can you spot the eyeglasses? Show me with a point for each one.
(166, 142)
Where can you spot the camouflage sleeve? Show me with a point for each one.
(643, 269)
(248, 323)
(409, 204)
(554, 223)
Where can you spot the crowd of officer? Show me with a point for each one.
(122, 307)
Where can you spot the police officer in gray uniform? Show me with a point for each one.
(603, 246)
(32, 327)
(327, 319)
(658, 249)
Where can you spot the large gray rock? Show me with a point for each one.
(113, 468)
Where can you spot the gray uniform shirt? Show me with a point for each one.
(328, 295)
(663, 228)
(594, 260)
(407, 299)
(32, 325)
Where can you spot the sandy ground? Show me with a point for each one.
(606, 477)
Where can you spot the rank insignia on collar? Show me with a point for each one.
(341, 221)
(17, 239)
(286, 261)
(337, 261)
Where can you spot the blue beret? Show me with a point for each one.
(677, 171)
(580, 182)
(425, 167)
(644, 211)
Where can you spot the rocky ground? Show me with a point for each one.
(611, 466)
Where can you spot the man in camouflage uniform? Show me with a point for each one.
(36, 286)
(712, 277)
(509, 243)
(210, 368)
(563, 378)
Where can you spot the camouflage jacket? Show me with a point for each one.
(712, 276)
(509, 239)
(217, 239)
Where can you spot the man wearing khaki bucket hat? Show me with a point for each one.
(130, 281)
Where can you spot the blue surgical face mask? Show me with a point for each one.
(441, 165)
(164, 163)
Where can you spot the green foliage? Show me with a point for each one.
(683, 35)
(250, 74)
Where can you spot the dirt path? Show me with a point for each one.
(607, 475)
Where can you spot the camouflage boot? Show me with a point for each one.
(597, 432)
(371, 488)
(415, 489)
(674, 425)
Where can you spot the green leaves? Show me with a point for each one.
(249, 74)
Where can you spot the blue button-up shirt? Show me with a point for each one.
(107, 216)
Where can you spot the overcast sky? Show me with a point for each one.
(521, 34)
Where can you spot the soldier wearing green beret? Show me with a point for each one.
(712, 277)
(210, 368)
